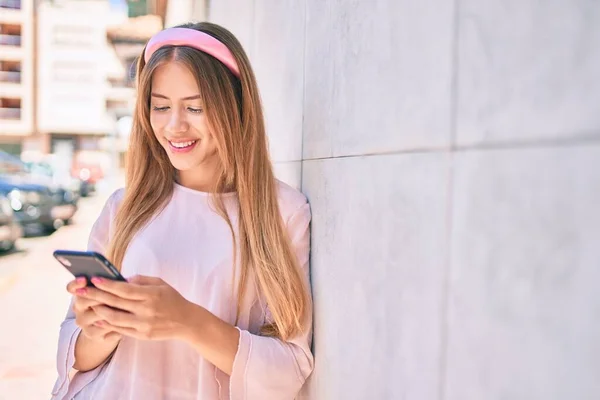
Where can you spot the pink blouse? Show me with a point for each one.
(189, 246)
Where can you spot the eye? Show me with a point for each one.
(160, 109)
(194, 110)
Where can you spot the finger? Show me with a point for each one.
(81, 304)
(102, 297)
(124, 290)
(143, 280)
(75, 284)
(87, 319)
(119, 330)
(117, 317)
(95, 332)
(112, 336)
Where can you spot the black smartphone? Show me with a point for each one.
(88, 264)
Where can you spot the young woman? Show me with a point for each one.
(217, 304)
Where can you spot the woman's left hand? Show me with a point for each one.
(143, 308)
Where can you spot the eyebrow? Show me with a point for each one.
(162, 96)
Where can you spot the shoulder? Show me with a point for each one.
(291, 201)
(111, 205)
(115, 199)
(103, 228)
(117, 195)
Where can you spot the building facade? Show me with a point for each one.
(17, 64)
(66, 83)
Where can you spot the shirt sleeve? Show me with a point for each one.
(269, 368)
(70, 381)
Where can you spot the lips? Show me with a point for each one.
(182, 146)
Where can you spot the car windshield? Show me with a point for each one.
(10, 164)
(39, 168)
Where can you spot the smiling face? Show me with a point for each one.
(180, 124)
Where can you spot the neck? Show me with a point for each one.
(202, 178)
(202, 181)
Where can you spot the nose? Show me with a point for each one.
(176, 123)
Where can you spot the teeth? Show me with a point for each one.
(181, 145)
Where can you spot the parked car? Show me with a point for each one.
(65, 206)
(10, 229)
(34, 196)
(47, 175)
(65, 193)
(10, 161)
(32, 204)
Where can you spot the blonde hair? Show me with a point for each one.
(234, 113)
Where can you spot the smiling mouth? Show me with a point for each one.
(183, 145)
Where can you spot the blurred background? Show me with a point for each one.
(450, 150)
(66, 100)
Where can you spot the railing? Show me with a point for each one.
(10, 40)
(10, 113)
(10, 76)
(12, 4)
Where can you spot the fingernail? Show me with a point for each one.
(97, 280)
(81, 279)
(81, 291)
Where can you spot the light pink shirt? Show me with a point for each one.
(189, 246)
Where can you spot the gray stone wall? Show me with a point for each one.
(451, 154)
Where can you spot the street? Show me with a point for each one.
(33, 303)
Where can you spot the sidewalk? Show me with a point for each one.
(33, 303)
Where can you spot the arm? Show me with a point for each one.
(90, 353)
(72, 350)
(259, 367)
(212, 337)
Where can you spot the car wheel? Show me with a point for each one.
(49, 229)
(6, 247)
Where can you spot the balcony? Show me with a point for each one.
(10, 40)
(10, 108)
(10, 76)
(11, 12)
(10, 4)
(10, 34)
(10, 113)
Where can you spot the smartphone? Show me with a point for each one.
(88, 264)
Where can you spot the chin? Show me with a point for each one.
(183, 165)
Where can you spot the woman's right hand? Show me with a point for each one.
(85, 316)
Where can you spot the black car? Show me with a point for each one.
(32, 204)
(64, 194)
(10, 230)
(65, 206)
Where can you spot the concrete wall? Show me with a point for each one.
(451, 154)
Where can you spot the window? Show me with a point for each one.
(10, 35)
(137, 8)
(10, 108)
(10, 71)
(11, 4)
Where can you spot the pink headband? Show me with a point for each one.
(192, 38)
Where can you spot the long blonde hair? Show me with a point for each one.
(234, 113)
